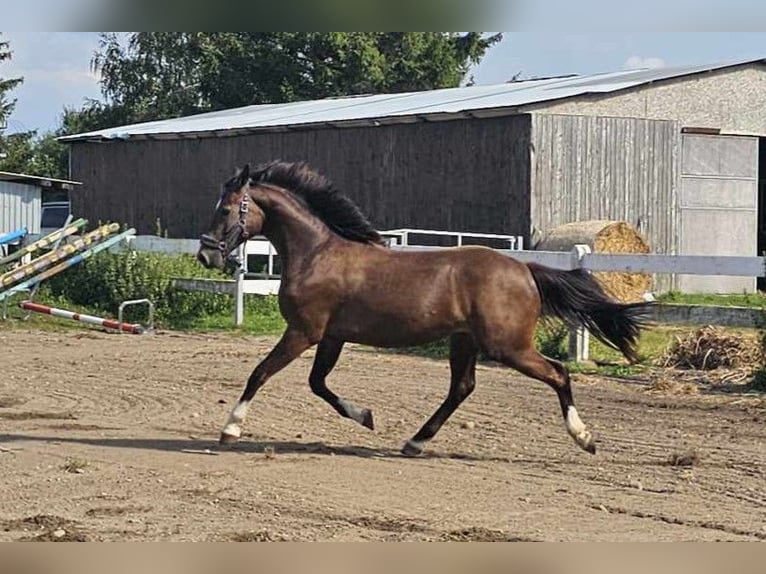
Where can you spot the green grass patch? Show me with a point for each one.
(261, 317)
(756, 300)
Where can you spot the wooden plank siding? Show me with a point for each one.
(586, 167)
(459, 175)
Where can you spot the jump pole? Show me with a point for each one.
(44, 261)
(46, 241)
(80, 257)
(82, 318)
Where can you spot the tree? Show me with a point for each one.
(6, 85)
(29, 153)
(26, 152)
(158, 75)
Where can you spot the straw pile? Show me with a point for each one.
(605, 236)
(712, 348)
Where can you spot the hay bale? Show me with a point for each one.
(605, 236)
(712, 348)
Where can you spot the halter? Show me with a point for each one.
(210, 242)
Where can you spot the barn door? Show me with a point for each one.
(718, 206)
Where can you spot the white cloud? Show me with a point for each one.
(56, 72)
(635, 62)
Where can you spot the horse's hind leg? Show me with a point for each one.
(463, 352)
(327, 355)
(531, 363)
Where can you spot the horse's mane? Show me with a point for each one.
(334, 208)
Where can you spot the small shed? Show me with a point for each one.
(23, 196)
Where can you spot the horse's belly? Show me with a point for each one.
(392, 330)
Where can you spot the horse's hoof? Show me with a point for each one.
(367, 419)
(412, 449)
(584, 439)
(590, 447)
(227, 439)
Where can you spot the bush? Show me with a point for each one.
(551, 339)
(107, 279)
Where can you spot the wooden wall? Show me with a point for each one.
(461, 175)
(606, 168)
(587, 167)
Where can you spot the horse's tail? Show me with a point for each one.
(577, 298)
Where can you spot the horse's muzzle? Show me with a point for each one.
(210, 258)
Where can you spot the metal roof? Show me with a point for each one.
(37, 180)
(366, 110)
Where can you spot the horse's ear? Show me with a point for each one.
(244, 175)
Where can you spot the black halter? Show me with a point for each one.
(226, 246)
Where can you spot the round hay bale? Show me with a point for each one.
(605, 236)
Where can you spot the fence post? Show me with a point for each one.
(239, 287)
(579, 338)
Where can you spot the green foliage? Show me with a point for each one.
(757, 299)
(107, 279)
(101, 283)
(27, 153)
(169, 74)
(551, 339)
(262, 317)
(6, 85)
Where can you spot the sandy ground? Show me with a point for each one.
(113, 437)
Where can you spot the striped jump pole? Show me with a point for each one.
(12, 236)
(45, 261)
(79, 258)
(82, 318)
(46, 241)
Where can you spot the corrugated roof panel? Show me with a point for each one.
(355, 109)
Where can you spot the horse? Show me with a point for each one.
(341, 283)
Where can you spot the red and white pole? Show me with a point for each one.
(90, 319)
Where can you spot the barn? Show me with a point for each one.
(677, 152)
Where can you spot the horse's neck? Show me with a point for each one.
(294, 231)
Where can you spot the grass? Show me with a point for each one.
(262, 317)
(756, 300)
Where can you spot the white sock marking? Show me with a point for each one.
(577, 429)
(417, 444)
(235, 418)
(574, 423)
(240, 411)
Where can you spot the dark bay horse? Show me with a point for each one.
(341, 283)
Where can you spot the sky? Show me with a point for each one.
(56, 65)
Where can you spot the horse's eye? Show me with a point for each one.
(225, 210)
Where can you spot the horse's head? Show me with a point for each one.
(237, 217)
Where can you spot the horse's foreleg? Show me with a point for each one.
(289, 347)
(462, 358)
(327, 355)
